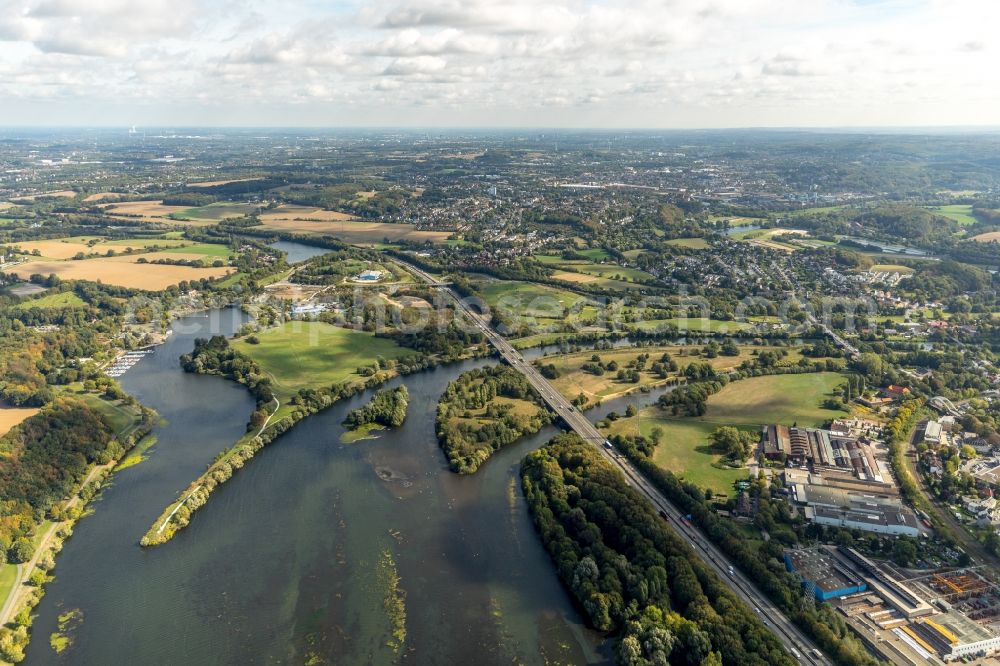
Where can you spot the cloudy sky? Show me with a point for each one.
(572, 63)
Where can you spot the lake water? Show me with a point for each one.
(732, 231)
(298, 252)
(280, 566)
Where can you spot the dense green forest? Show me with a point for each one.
(472, 423)
(387, 408)
(631, 574)
(44, 459)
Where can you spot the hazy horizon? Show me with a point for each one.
(818, 129)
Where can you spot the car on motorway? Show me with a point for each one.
(663, 514)
(607, 444)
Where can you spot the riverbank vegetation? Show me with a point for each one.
(631, 574)
(387, 408)
(294, 370)
(483, 410)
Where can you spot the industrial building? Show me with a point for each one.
(822, 449)
(776, 442)
(907, 602)
(932, 432)
(838, 507)
(952, 635)
(823, 573)
(931, 618)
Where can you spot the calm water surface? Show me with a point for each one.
(280, 567)
(298, 251)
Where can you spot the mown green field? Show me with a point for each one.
(526, 298)
(595, 254)
(206, 249)
(813, 211)
(689, 243)
(551, 259)
(786, 399)
(306, 354)
(574, 380)
(747, 404)
(66, 299)
(614, 272)
(231, 280)
(216, 211)
(8, 572)
(694, 324)
(736, 220)
(537, 340)
(684, 449)
(122, 418)
(961, 213)
(136, 243)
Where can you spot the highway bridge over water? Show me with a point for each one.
(797, 643)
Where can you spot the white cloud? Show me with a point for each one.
(630, 62)
(415, 65)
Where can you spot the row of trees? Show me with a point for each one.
(630, 573)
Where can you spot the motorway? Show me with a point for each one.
(797, 643)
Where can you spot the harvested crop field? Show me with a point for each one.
(67, 248)
(64, 248)
(12, 416)
(287, 212)
(120, 271)
(359, 233)
(568, 276)
(101, 196)
(136, 243)
(988, 237)
(154, 211)
(175, 255)
(61, 194)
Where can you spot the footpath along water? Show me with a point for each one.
(295, 559)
